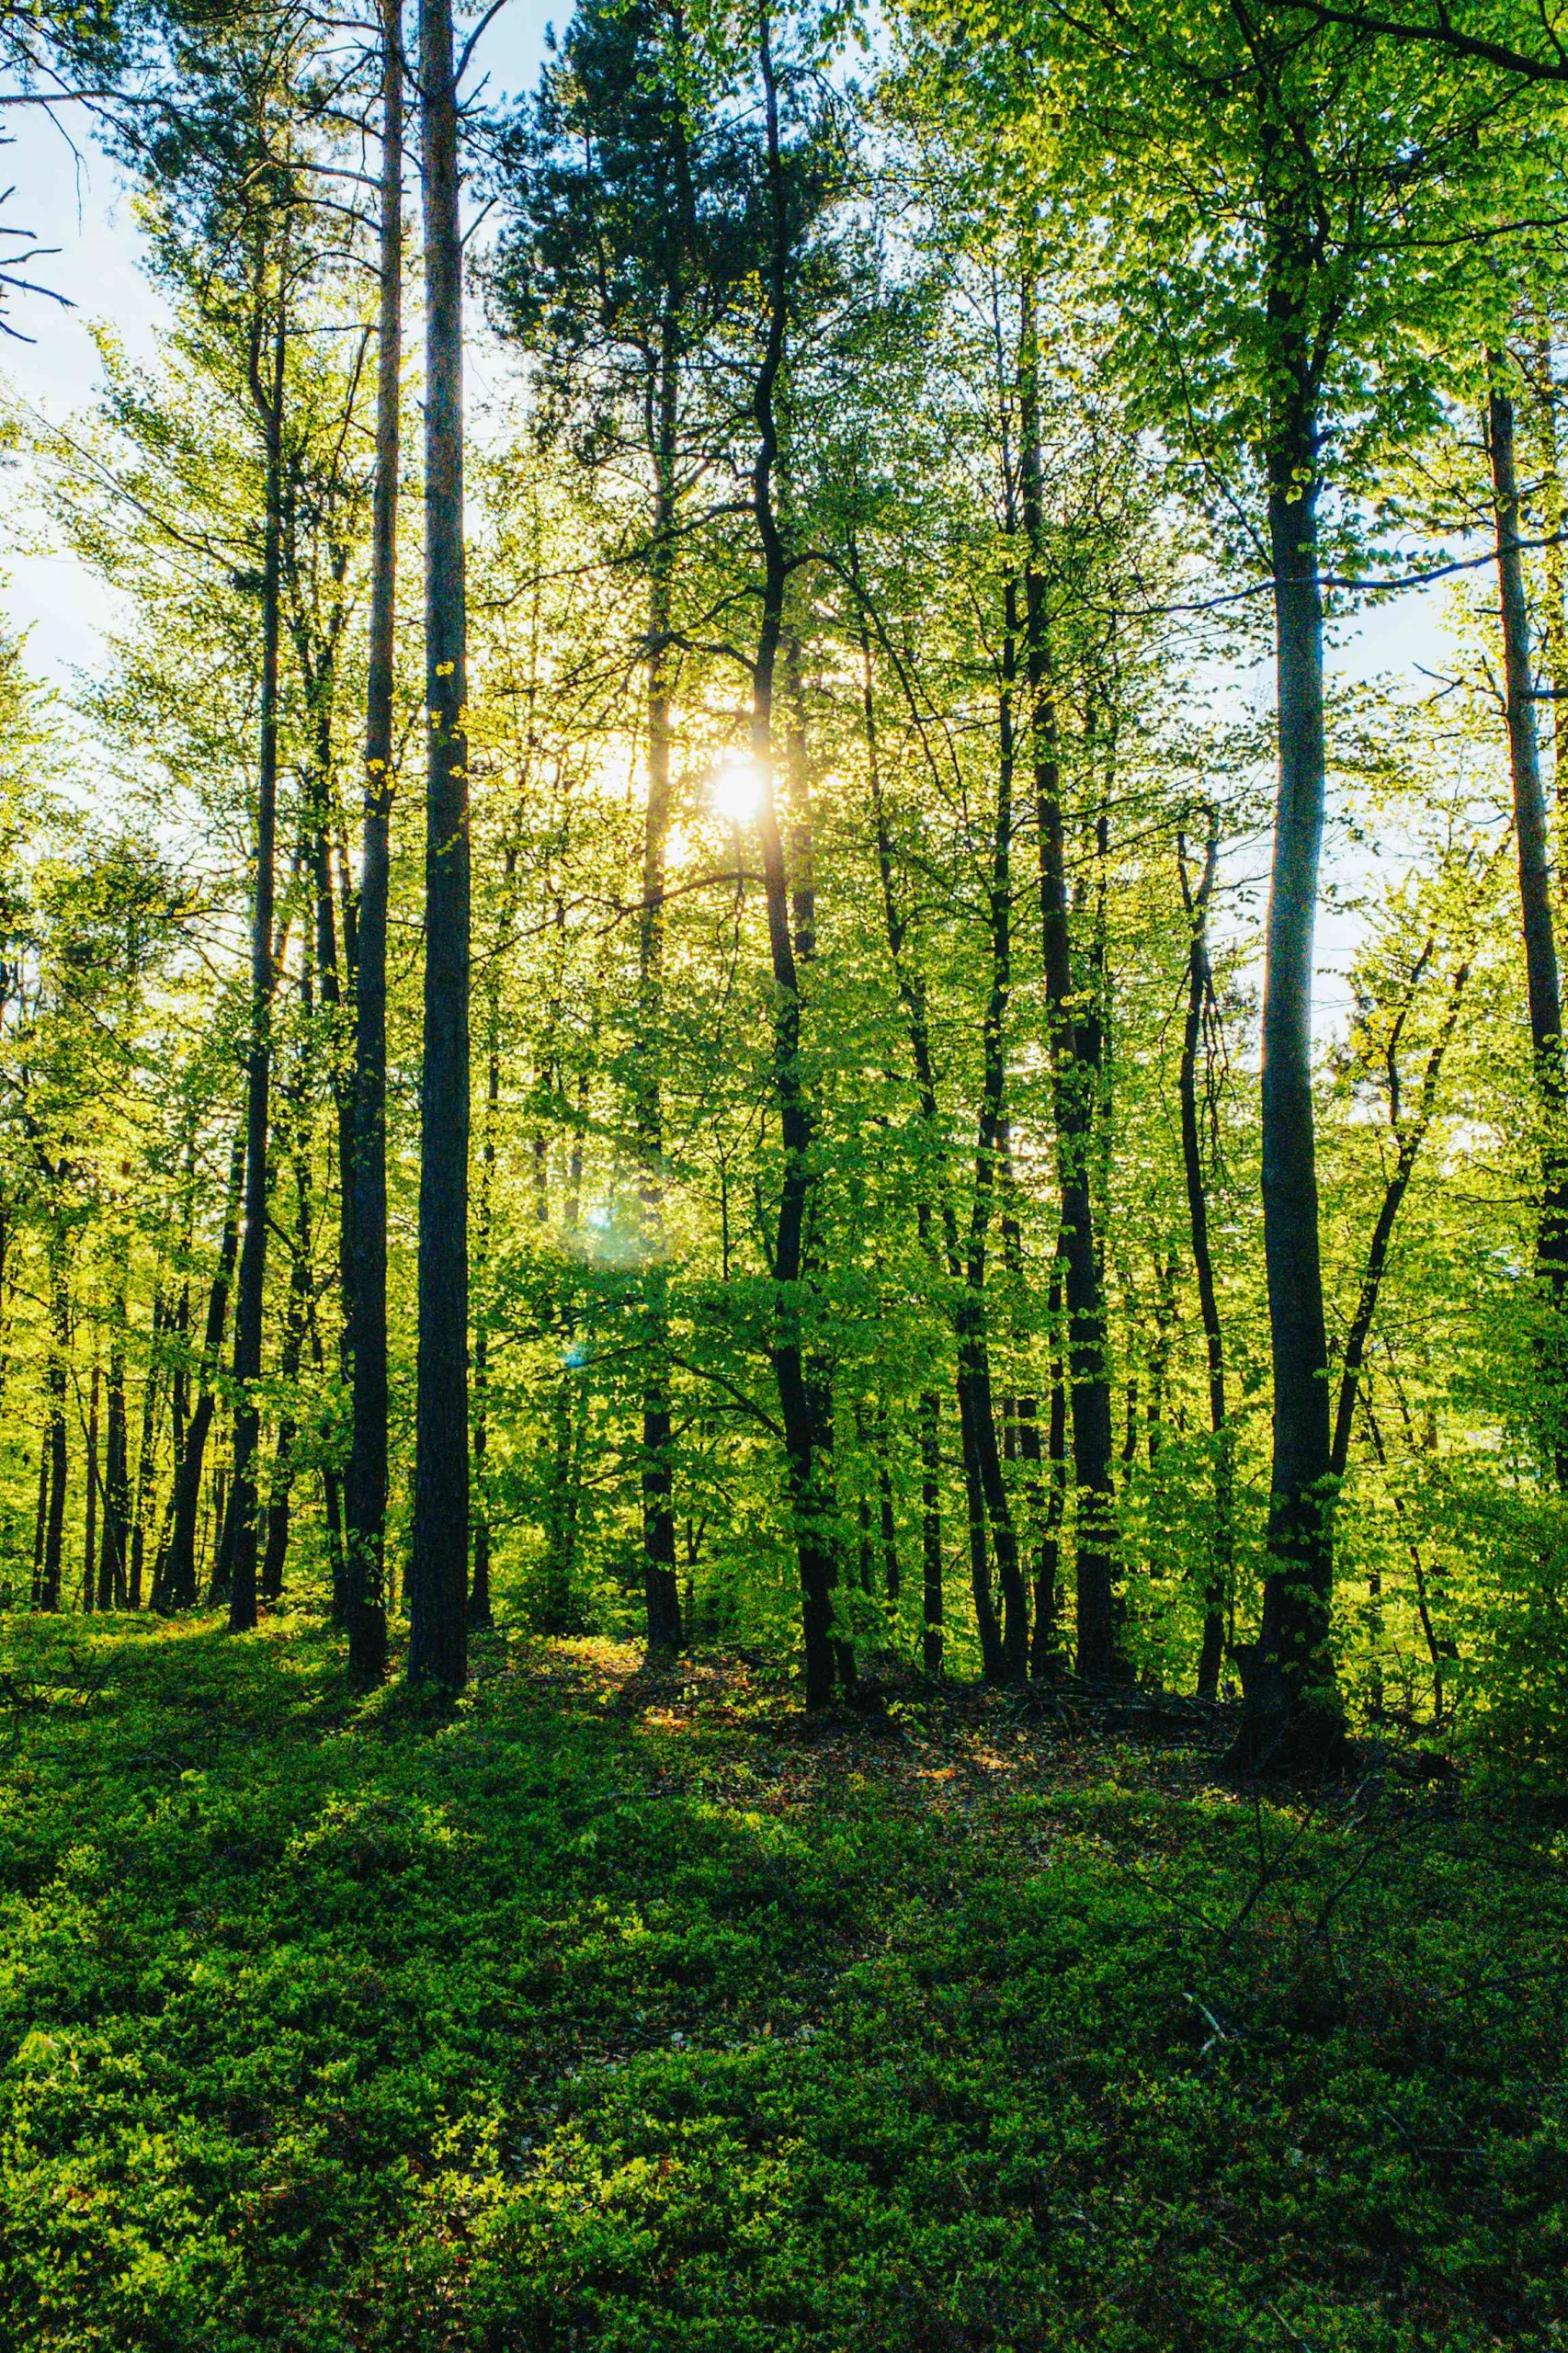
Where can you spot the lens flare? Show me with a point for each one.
(736, 790)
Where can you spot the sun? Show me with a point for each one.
(736, 790)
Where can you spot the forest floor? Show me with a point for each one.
(630, 2013)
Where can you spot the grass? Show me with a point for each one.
(605, 2012)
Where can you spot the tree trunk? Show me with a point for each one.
(1075, 1054)
(146, 1451)
(113, 1563)
(1009, 1661)
(1199, 988)
(251, 1292)
(1554, 515)
(1045, 1647)
(801, 1397)
(438, 1581)
(55, 1377)
(330, 979)
(480, 1610)
(179, 1584)
(1535, 907)
(660, 1589)
(90, 1500)
(279, 1500)
(1292, 1701)
(931, 1531)
(886, 1518)
(366, 1483)
(42, 1516)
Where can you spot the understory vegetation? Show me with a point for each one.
(624, 2009)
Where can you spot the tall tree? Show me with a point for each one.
(266, 371)
(438, 1581)
(366, 1483)
(1542, 981)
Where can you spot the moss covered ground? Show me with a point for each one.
(628, 2013)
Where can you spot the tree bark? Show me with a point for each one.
(887, 1522)
(1292, 1701)
(438, 1581)
(1542, 975)
(146, 1450)
(801, 1399)
(112, 1559)
(367, 1482)
(1554, 515)
(660, 1585)
(1045, 1641)
(251, 1291)
(1010, 1660)
(931, 1598)
(55, 1380)
(1075, 1054)
(178, 1585)
(90, 1499)
(1199, 991)
(41, 1516)
(480, 1610)
(279, 1500)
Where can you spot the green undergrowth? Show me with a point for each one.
(605, 2012)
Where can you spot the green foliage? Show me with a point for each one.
(1512, 1540)
(598, 2014)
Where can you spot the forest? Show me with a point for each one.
(784, 1183)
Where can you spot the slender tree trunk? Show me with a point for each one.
(660, 1589)
(146, 1451)
(807, 1432)
(280, 1501)
(437, 1584)
(112, 1562)
(1045, 1647)
(479, 1612)
(1199, 988)
(931, 1600)
(366, 1483)
(55, 1377)
(180, 1587)
(251, 1291)
(1292, 1702)
(42, 1516)
(90, 1500)
(1075, 1054)
(1542, 975)
(179, 1402)
(1554, 515)
(887, 1523)
(332, 1487)
(1011, 1658)
(330, 978)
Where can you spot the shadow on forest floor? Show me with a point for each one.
(612, 2008)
